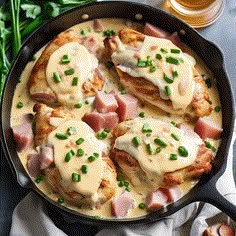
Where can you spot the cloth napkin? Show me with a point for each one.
(31, 217)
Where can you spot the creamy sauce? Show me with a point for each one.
(126, 59)
(92, 145)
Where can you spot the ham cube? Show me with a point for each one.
(155, 31)
(156, 200)
(33, 164)
(97, 25)
(98, 121)
(105, 102)
(46, 156)
(23, 136)
(122, 204)
(207, 128)
(173, 193)
(128, 107)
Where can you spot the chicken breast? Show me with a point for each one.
(83, 175)
(65, 72)
(155, 153)
(158, 72)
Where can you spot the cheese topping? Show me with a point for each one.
(72, 72)
(158, 141)
(162, 63)
(90, 181)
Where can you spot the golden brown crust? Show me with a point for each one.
(145, 90)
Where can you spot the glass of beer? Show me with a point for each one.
(197, 13)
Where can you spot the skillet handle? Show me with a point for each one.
(209, 193)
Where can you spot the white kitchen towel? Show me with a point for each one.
(30, 217)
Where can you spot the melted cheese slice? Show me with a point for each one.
(90, 181)
(83, 64)
(156, 164)
(182, 88)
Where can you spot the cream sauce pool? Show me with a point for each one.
(22, 95)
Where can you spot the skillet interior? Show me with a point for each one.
(209, 53)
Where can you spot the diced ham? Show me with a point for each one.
(207, 128)
(91, 44)
(128, 107)
(23, 136)
(173, 193)
(105, 102)
(155, 31)
(44, 97)
(97, 25)
(98, 121)
(122, 204)
(33, 164)
(155, 200)
(46, 156)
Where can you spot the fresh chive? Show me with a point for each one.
(164, 50)
(173, 156)
(70, 71)
(182, 151)
(158, 56)
(121, 183)
(146, 128)
(109, 32)
(126, 183)
(69, 155)
(160, 142)
(158, 149)
(136, 141)
(175, 50)
(217, 108)
(174, 60)
(83, 32)
(78, 105)
(153, 68)
(101, 135)
(56, 77)
(167, 90)
(208, 82)
(91, 158)
(65, 59)
(84, 169)
(120, 178)
(86, 102)
(174, 136)
(60, 200)
(80, 152)
(79, 141)
(142, 205)
(61, 136)
(71, 130)
(128, 189)
(149, 148)
(75, 81)
(141, 63)
(173, 123)
(19, 105)
(142, 114)
(175, 74)
(76, 177)
(123, 91)
(168, 79)
(210, 146)
(39, 178)
(96, 154)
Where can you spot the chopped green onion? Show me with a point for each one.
(158, 56)
(71, 130)
(78, 105)
(173, 156)
(182, 151)
(149, 148)
(174, 60)
(120, 178)
(128, 189)
(146, 128)
(164, 50)
(158, 149)
(56, 77)
(101, 135)
(69, 71)
(126, 183)
(123, 91)
(65, 59)
(96, 154)
(173, 123)
(91, 158)
(142, 205)
(86, 102)
(61, 136)
(109, 32)
(175, 74)
(84, 169)
(19, 105)
(153, 68)
(76, 177)
(39, 178)
(136, 141)
(69, 155)
(80, 152)
(79, 141)
(75, 81)
(142, 114)
(160, 142)
(217, 109)
(167, 90)
(175, 50)
(121, 183)
(83, 32)
(210, 146)
(169, 80)
(141, 63)
(60, 200)
(174, 136)
(208, 82)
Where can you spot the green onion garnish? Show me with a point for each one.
(71, 130)
(158, 56)
(136, 141)
(173, 156)
(79, 141)
(65, 59)
(69, 71)
(84, 169)
(75, 81)
(56, 77)
(76, 177)
(164, 50)
(78, 105)
(149, 148)
(60, 200)
(168, 79)
(61, 136)
(19, 105)
(174, 60)
(182, 151)
(174, 136)
(69, 155)
(142, 114)
(217, 109)
(158, 149)
(142, 205)
(167, 90)
(91, 158)
(175, 74)
(175, 50)
(80, 152)
(146, 128)
(160, 142)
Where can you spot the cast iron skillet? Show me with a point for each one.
(205, 190)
